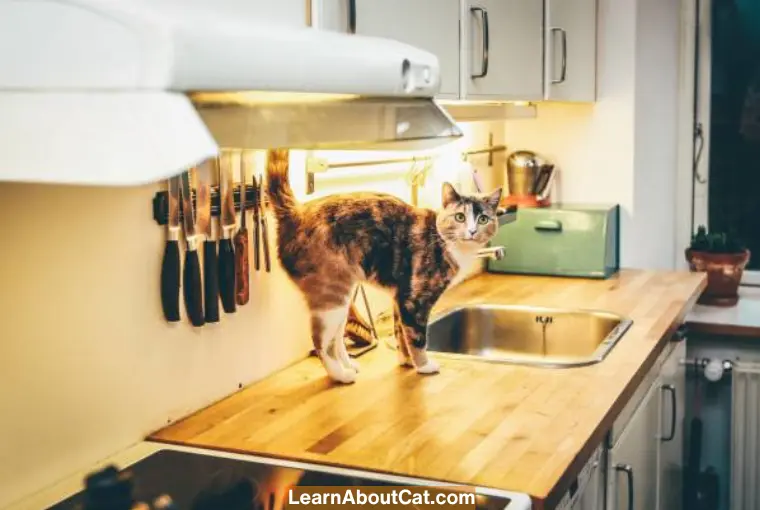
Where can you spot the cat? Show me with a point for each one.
(329, 245)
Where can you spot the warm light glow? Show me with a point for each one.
(257, 97)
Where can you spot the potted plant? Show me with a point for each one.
(723, 257)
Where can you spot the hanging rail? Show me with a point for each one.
(318, 165)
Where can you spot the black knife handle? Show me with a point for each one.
(170, 281)
(193, 291)
(211, 281)
(227, 275)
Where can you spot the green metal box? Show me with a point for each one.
(561, 240)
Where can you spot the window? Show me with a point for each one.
(727, 182)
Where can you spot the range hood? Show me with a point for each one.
(127, 92)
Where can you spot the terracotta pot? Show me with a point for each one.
(724, 273)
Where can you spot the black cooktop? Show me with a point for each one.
(205, 482)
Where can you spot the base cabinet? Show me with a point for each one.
(645, 461)
(632, 470)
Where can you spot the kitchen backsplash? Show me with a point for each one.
(88, 365)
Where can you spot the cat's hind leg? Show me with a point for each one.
(402, 350)
(325, 325)
(340, 347)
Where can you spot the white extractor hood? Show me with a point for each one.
(126, 92)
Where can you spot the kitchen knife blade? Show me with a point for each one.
(191, 278)
(203, 225)
(256, 224)
(170, 263)
(242, 274)
(228, 162)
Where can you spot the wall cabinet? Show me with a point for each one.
(503, 50)
(570, 50)
(645, 461)
(489, 50)
(432, 25)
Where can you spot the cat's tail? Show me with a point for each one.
(280, 193)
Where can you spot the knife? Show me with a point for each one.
(227, 223)
(256, 224)
(191, 278)
(264, 228)
(203, 225)
(242, 288)
(170, 264)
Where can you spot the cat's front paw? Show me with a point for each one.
(431, 367)
(345, 376)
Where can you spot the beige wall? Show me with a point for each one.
(88, 366)
(622, 149)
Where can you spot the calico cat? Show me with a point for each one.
(329, 245)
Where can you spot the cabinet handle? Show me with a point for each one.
(548, 226)
(484, 62)
(673, 401)
(563, 72)
(352, 16)
(628, 470)
(680, 334)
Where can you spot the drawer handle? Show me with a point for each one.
(674, 411)
(628, 470)
(549, 226)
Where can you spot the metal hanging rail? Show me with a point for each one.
(322, 166)
(317, 165)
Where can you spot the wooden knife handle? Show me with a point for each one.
(210, 281)
(242, 281)
(227, 275)
(170, 281)
(193, 290)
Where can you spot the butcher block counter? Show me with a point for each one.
(510, 427)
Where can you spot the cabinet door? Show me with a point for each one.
(570, 41)
(431, 25)
(503, 50)
(672, 393)
(632, 474)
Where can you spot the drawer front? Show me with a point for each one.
(564, 242)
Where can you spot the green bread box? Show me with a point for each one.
(580, 240)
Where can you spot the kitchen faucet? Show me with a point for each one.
(493, 252)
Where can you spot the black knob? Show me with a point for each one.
(108, 489)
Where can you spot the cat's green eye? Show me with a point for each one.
(483, 219)
(459, 217)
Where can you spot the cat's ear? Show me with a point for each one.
(494, 198)
(449, 194)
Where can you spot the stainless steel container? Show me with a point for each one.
(528, 174)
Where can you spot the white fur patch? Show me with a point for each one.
(464, 257)
(333, 354)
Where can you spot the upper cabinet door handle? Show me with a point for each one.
(563, 72)
(484, 61)
(352, 16)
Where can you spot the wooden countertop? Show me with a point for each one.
(514, 428)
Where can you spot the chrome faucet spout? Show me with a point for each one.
(493, 252)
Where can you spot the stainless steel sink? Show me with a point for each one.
(526, 335)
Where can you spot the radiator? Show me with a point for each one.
(745, 436)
